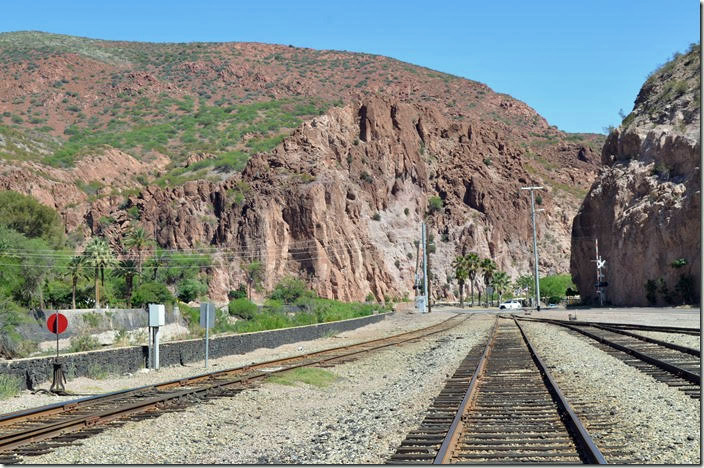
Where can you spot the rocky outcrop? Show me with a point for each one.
(340, 203)
(103, 173)
(644, 207)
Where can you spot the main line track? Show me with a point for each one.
(40, 430)
(501, 406)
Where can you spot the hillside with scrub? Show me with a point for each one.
(318, 164)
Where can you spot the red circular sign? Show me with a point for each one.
(62, 323)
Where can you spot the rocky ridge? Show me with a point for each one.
(644, 206)
(340, 203)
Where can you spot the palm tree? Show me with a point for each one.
(138, 239)
(254, 276)
(489, 268)
(473, 268)
(99, 256)
(76, 271)
(460, 266)
(127, 269)
(501, 283)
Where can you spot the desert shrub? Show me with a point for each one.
(366, 177)
(9, 386)
(26, 215)
(376, 217)
(83, 343)
(189, 289)
(289, 289)
(238, 293)
(434, 204)
(686, 289)
(651, 289)
(242, 308)
(151, 293)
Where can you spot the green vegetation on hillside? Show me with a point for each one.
(174, 127)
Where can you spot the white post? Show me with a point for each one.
(156, 348)
(206, 346)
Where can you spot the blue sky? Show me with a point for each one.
(576, 63)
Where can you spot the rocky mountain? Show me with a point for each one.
(644, 207)
(319, 163)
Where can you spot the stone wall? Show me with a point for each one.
(33, 371)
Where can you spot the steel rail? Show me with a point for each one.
(20, 438)
(631, 326)
(70, 405)
(671, 368)
(664, 344)
(579, 432)
(450, 440)
(582, 436)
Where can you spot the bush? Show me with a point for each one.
(9, 386)
(651, 289)
(289, 289)
(189, 289)
(434, 204)
(26, 215)
(83, 343)
(376, 217)
(238, 293)
(242, 308)
(151, 293)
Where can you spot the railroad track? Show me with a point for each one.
(40, 430)
(677, 366)
(501, 406)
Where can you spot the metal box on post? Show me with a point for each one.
(207, 315)
(157, 315)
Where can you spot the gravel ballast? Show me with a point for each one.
(658, 423)
(359, 418)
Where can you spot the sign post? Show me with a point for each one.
(207, 320)
(57, 324)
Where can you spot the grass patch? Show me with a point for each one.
(9, 386)
(308, 375)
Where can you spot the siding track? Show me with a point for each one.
(39, 430)
(677, 366)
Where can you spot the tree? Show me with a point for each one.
(75, 269)
(127, 269)
(526, 283)
(100, 257)
(137, 240)
(254, 276)
(501, 283)
(151, 292)
(489, 268)
(460, 266)
(473, 266)
(26, 215)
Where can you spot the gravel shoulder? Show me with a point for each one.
(360, 418)
(660, 424)
(83, 386)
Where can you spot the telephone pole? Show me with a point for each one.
(425, 269)
(535, 245)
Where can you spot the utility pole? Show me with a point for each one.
(535, 245)
(599, 275)
(425, 268)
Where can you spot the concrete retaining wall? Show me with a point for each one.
(33, 371)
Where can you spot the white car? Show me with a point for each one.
(510, 305)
